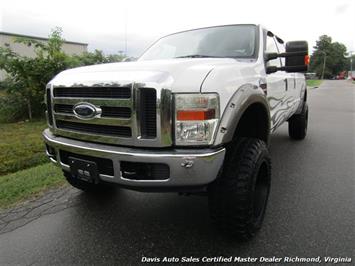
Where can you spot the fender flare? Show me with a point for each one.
(242, 99)
(304, 95)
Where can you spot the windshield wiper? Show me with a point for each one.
(197, 56)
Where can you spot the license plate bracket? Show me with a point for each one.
(84, 170)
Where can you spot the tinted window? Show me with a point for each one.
(223, 41)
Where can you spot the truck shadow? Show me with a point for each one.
(165, 224)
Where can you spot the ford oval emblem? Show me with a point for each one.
(86, 110)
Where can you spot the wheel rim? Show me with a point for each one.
(261, 191)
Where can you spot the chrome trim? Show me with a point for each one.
(48, 86)
(163, 114)
(94, 101)
(95, 120)
(206, 163)
(50, 156)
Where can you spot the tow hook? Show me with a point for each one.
(187, 163)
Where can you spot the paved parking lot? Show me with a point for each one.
(310, 213)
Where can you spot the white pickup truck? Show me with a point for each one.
(192, 115)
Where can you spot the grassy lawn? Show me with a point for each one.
(21, 146)
(28, 183)
(313, 82)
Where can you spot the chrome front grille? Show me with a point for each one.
(131, 114)
(107, 111)
(93, 92)
(105, 130)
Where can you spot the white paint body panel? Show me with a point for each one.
(224, 76)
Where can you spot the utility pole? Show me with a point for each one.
(125, 31)
(324, 60)
(125, 36)
(351, 64)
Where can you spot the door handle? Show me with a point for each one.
(286, 84)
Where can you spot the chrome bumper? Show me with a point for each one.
(188, 167)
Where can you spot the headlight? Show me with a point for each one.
(196, 118)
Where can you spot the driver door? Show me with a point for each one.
(276, 86)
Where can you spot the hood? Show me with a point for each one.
(180, 75)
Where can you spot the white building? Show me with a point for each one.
(8, 40)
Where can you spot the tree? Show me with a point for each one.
(29, 76)
(332, 53)
(93, 58)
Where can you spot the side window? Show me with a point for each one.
(272, 48)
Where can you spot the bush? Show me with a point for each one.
(12, 108)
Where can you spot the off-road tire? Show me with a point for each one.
(238, 197)
(86, 186)
(297, 124)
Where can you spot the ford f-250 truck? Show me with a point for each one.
(193, 114)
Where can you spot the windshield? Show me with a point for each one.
(236, 41)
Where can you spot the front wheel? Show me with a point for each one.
(238, 198)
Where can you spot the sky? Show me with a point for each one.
(110, 25)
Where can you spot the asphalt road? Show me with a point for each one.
(311, 211)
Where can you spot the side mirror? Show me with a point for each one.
(296, 56)
(297, 63)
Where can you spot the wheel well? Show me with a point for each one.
(254, 123)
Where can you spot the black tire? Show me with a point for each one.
(86, 186)
(297, 124)
(238, 197)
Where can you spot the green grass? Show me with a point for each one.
(313, 82)
(28, 183)
(21, 146)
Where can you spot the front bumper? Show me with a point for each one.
(206, 163)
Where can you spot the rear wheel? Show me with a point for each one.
(297, 124)
(238, 198)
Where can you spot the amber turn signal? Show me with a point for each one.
(187, 115)
(306, 60)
